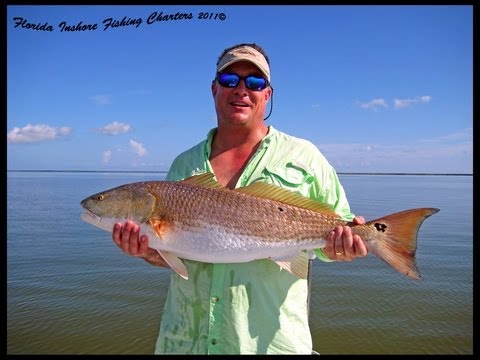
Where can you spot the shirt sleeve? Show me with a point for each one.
(326, 187)
(188, 163)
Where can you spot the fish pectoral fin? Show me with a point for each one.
(159, 226)
(175, 263)
(297, 265)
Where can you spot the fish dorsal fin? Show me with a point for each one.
(206, 180)
(276, 193)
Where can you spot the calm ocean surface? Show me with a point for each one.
(70, 290)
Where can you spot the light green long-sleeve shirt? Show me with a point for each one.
(254, 307)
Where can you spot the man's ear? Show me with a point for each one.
(268, 94)
(214, 88)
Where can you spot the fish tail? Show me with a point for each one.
(395, 239)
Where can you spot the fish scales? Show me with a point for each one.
(238, 213)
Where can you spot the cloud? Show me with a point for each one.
(37, 133)
(459, 136)
(450, 153)
(138, 148)
(107, 155)
(373, 104)
(120, 155)
(101, 99)
(401, 103)
(115, 128)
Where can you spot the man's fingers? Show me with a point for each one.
(359, 245)
(142, 249)
(338, 247)
(133, 240)
(116, 233)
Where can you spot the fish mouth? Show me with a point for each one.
(95, 220)
(90, 217)
(90, 213)
(104, 223)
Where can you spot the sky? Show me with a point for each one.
(377, 88)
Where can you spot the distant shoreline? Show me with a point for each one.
(94, 171)
(164, 172)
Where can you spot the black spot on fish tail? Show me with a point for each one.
(380, 227)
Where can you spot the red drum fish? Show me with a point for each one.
(198, 219)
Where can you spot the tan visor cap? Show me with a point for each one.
(245, 53)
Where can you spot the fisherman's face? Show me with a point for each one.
(240, 105)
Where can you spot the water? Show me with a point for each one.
(70, 290)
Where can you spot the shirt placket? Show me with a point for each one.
(253, 163)
(215, 344)
(216, 309)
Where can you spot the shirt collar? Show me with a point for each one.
(265, 141)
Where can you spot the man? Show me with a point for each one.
(254, 307)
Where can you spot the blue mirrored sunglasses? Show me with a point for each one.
(252, 82)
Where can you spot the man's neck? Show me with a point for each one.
(231, 151)
(238, 137)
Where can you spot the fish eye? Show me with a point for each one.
(100, 197)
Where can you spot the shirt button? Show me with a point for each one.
(215, 299)
(214, 341)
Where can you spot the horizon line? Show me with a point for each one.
(165, 171)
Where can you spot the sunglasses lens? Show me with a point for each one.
(252, 82)
(255, 82)
(228, 80)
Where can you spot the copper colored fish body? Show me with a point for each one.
(197, 219)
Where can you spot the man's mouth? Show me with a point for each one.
(239, 104)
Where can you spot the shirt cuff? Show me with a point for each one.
(321, 255)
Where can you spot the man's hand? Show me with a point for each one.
(342, 245)
(127, 239)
